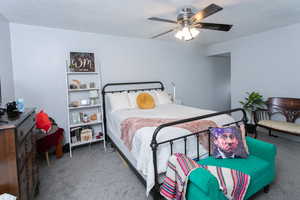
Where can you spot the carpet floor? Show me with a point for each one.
(93, 174)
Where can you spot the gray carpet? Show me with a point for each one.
(93, 174)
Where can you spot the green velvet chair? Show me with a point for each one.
(260, 165)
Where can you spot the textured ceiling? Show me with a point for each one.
(129, 17)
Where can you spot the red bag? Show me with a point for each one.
(42, 121)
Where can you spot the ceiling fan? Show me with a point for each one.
(188, 23)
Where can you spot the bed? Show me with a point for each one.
(151, 146)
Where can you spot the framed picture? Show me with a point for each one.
(82, 62)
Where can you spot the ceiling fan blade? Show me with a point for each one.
(158, 35)
(209, 10)
(212, 26)
(162, 20)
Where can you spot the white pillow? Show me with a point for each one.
(163, 97)
(118, 101)
(132, 99)
(153, 93)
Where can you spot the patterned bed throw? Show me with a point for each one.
(233, 183)
(130, 125)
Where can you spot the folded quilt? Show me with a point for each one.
(233, 183)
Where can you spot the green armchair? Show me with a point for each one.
(260, 165)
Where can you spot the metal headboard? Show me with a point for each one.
(105, 91)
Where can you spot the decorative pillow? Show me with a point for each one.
(228, 143)
(163, 97)
(42, 121)
(118, 101)
(145, 101)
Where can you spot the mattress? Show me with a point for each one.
(141, 154)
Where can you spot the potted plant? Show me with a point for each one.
(252, 102)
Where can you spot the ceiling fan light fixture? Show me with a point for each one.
(188, 23)
(187, 33)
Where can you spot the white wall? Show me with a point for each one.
(6, 72)
(39, 61)
(267, 62)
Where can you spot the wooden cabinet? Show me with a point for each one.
(18, 165)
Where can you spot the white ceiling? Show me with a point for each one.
(129, 17)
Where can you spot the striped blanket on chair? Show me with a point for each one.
(233, 183)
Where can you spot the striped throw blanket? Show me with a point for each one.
(233, 183)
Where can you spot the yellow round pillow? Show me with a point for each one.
(145, 101)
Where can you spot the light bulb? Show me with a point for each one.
(179, 35)
(194, 32)
(187, 33)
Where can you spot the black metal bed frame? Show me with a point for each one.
(154, 143)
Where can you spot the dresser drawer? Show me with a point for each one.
(25, 127)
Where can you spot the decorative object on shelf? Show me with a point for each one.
(75, 134)
(99, 116)
(93, 94)
(83, 86)
(72, 67)
(73, 139)
(94, 101)
(93, 117)
(84, 102)
(75, 84)
(99, 136)
(84, 117)
(74, 104)
(83, 62)
(92, 85)
(86, 135)
(75, 118)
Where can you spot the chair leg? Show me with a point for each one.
(270, 133)
(59, 149)
(255, 132)
(47, 158)
(266, 189)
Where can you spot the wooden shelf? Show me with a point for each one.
(80, 90)
(82, 73)
(85, 124)
(83, 107)
(87, 142)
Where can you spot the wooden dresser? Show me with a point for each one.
(18, 164)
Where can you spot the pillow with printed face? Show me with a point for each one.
(228, 143)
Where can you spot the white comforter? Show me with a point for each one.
(141, 150)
